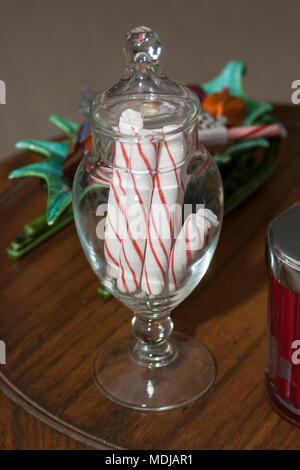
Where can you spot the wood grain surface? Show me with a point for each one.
(53, 324)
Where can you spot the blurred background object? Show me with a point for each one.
(49, 50)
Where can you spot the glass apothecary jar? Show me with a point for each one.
(148, 207)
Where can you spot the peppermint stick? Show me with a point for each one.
(168, 191)
(115, 219)
(192, 239)
(142, 160)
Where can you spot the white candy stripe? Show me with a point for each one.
(192, 239)
(142, 158)
(115, 219)
(163, 223)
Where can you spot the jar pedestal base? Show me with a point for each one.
(187, 377)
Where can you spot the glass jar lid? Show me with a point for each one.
(144, 89)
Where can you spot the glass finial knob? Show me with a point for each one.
(143, 44)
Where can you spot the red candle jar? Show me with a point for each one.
(283, 339)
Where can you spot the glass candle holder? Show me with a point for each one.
(148, 207)
(283, 341)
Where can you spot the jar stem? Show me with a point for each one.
(153, 346)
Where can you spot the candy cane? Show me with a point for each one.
(142, 158)
(167, 192)
(220, 135)
(264, 130)
(192, 239)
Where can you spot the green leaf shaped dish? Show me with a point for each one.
(59, 190)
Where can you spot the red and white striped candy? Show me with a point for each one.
(192, 239)
(116, 209)
(115, 221)
(167, 193)
(142, 160)
(220, 135)
(263, 130)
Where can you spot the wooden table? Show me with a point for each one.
(53, 323)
